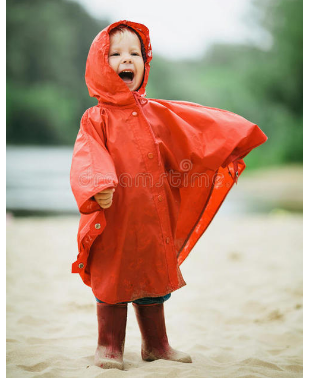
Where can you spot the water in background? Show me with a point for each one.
(38, 182)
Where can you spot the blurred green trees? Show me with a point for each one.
(265, 87)
(47, 46)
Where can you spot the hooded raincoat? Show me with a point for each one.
(172, 164)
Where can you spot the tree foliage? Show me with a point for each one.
(47, 46)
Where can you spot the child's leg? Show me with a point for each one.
(112, 321)
(151, 322)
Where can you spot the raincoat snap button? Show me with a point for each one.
(134, 114)
(150, 155)
(81, 265)
(97, 226)
(167, 240)
(160, 198)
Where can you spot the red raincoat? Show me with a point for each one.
(172, 164)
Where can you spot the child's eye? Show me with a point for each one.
(135, 53)
(114, 54)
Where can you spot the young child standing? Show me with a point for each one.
(148, 176)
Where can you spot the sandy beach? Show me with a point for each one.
(240, 314)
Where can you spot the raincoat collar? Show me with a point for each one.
(101, 80)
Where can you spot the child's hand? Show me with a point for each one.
(104, 198)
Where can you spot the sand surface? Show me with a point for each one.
(240, 314)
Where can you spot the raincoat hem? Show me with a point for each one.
(143, 296)
(202, 230)
(196, 223)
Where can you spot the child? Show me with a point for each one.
(148, 176)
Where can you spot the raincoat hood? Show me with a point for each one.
(102, 81)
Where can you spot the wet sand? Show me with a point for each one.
(240, 314)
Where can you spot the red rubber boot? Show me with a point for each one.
(155, 343)
(112, 321)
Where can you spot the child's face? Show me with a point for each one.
(126, 59)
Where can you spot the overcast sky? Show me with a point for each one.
(184, 29)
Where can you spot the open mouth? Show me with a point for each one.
(126, 76)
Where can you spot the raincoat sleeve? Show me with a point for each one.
(92, 168)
